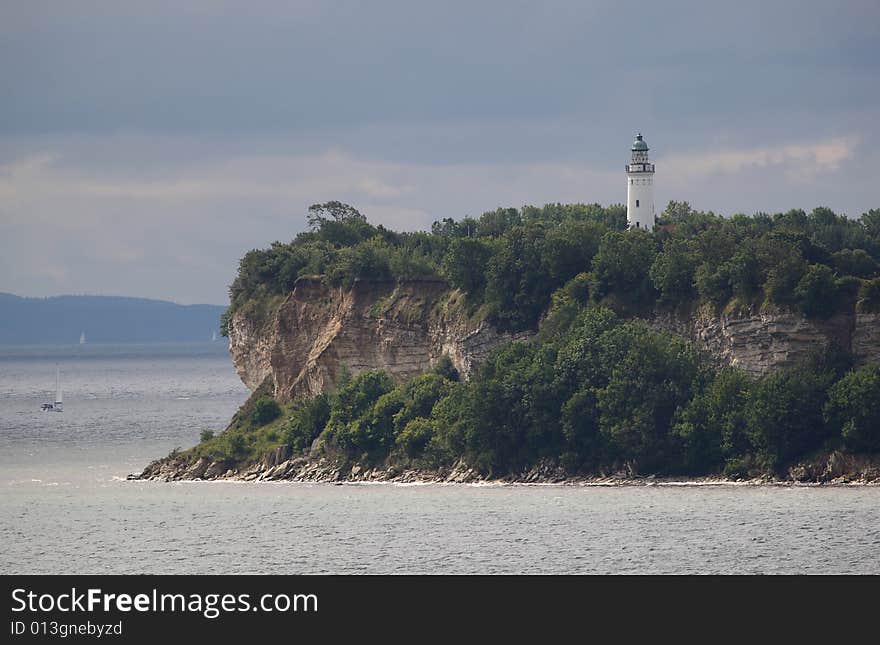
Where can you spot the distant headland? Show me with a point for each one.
(103, 319)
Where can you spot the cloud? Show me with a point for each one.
(148, 170)
(141, 215)
(799, 162)
(169, 229)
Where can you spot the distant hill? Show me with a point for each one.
(103, 319)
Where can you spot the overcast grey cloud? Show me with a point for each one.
(145, 146)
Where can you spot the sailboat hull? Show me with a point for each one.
(58, 406)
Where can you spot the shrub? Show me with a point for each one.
(445, 369)
(307, 421)
(415, 437)
(350, 427)
(235, 443)
(265, 411)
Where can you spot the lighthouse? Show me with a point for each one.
(640, 187)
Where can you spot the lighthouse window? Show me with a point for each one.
(637, 203)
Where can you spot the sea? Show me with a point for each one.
(66, 506)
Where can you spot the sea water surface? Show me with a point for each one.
(65, 506)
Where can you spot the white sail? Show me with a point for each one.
(214, 337)
(57, 406)
(59, 401)
(82, 338)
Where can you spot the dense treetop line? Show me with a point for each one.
(511, 261)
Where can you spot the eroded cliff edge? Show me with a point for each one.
(316, 332)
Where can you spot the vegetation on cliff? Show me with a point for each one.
(598, 394)
(513, 260)
(595, 390)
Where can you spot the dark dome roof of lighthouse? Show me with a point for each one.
(639, 144)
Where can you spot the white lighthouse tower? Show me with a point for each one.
(640, 187)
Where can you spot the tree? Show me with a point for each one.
(711, 428)
(854, 262)
(650, 376)
(822, 216)
(348, 427)
(871, 221)
(713, 285)
(783, 279)
(518, 287)
(784, 416)
(569, 248)
(498, 222)
(853, 408)
(415, 437)
(795, 219)
(816, 291)
(307, 421)
(578, 360)
(676, 211)
(465, 266)
(580, 427)
(622, 267)
(333, 211)
(513, 409)
(419, 397)
(744, 274)
(673, 272)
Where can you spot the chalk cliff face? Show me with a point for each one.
(760, 343)
(405, 328)
(319, 331)
(866, 337)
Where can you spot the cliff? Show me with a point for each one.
(318, 331)
(314, 333)
(301, 344)
(762, 342)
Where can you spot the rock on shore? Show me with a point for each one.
(832, 468)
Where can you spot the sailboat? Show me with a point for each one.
(58, 406)
(214, 337)
(82, 338)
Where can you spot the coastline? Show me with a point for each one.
(835, 471)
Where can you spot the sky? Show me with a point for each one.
(146, 146)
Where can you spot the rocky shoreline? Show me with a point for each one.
(833, 469)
